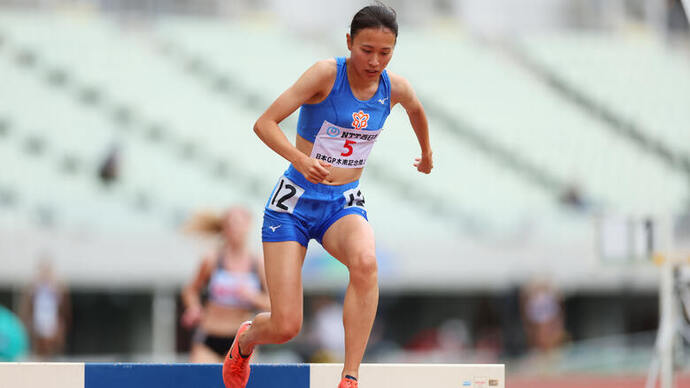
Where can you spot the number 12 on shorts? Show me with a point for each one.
(285, 196)
(354, 197)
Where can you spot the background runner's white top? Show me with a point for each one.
(344, 147)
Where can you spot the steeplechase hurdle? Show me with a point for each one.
(124, 375)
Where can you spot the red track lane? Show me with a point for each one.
(580, 381)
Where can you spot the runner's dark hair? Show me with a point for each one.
(374, 16)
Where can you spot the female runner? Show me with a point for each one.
(343, 105)
(232, 279)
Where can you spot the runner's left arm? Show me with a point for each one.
(403, 93)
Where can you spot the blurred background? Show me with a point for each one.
(561, 138)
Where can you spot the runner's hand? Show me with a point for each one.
(191, 316)
(424, 164)
(313, 169)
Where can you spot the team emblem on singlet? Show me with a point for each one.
(359, 120)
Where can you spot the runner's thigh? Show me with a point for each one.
(283, 263)
(349, 238)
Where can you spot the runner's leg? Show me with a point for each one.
(351, 241)
(283, 263)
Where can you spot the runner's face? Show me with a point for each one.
(236, 225)
(371, 50)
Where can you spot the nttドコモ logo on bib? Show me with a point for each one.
(359, 120)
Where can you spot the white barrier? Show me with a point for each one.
(36, 375)
(78, 375)
(414, 375)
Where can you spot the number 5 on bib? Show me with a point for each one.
(348, 147)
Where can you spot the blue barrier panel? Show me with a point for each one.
(279, 376)
(190, 376)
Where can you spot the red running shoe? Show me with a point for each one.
(348, 382)
(236, 366)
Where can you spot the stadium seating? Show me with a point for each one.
(638, 77)
(179, 98)
(509, 105)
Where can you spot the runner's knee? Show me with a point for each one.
(363, 269)
(287, 327)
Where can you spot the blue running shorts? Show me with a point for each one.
(299, 210)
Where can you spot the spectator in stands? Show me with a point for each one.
(109, 170)
(326, 332)
(46, 312)
(542, 314)
(488, 344)
(227, 288)
(677, 17)
(13, 340)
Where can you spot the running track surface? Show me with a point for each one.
(580, 381)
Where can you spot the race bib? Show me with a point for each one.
(354, 197)
(343, 147)
(285, 196)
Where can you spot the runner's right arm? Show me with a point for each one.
(309, 86)
(191, 294)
